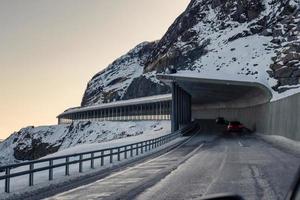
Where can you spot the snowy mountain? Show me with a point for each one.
(115, 82)
(35, 142)
(257, 39)
(240, 39)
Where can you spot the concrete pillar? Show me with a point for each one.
(181, 107)
(174, 105)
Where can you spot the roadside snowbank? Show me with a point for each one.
(35, 142)
(282, 142)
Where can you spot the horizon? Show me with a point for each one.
(51, 50)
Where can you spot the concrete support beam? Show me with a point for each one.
(181, 107)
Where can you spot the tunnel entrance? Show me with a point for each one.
(201, 98)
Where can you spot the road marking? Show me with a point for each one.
(218, 173)
(241, 144)
(99, 195)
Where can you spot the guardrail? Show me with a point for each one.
(79, 158)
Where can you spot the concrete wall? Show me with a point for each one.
(280, 117)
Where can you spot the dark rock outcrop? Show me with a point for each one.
(143, 86)
(36, 150)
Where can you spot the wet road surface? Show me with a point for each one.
(205, 164)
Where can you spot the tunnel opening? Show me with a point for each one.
(204, 100)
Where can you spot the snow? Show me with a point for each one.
(86, 135)
(294, 3)
(243, 58)
(293, 90)
(150, 131)
(282, 141)
(118, 76)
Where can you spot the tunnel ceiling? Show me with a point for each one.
(220, 93)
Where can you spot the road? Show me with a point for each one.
(205, 164)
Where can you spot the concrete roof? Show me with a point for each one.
(218, 93)
(136, 101)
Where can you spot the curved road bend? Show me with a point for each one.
(206, 164)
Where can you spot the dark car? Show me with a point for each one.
(221, 121)
(235, 126)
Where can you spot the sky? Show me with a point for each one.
(50, 49)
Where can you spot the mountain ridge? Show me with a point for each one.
(199, 41)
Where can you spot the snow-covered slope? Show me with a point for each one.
(257, 39)
(35, 142)
(112, 83)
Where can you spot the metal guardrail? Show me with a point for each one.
(127, 151)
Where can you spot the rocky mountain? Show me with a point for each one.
(254, 38)
(32, 143)
(124, 78)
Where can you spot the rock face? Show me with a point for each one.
(112, 83)
(286, 37)
(256, 38)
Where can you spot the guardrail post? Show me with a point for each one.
(50, 170)
(137, 149)
(149, 145)
(67, 170)
(31, 167)
(80, 163)
(92, 161)
(142, 147)
(131, 150)
(125, 155)
(7, 180)
(102, 158)
(119, 156)
(111, 156)
(146, 146)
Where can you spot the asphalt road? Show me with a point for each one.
(205, 164)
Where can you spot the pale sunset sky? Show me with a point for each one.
(50, 49)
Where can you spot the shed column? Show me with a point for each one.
(174, 122)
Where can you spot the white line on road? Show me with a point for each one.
(218, 173)
(241, 144)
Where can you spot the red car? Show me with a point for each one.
(235, 126)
